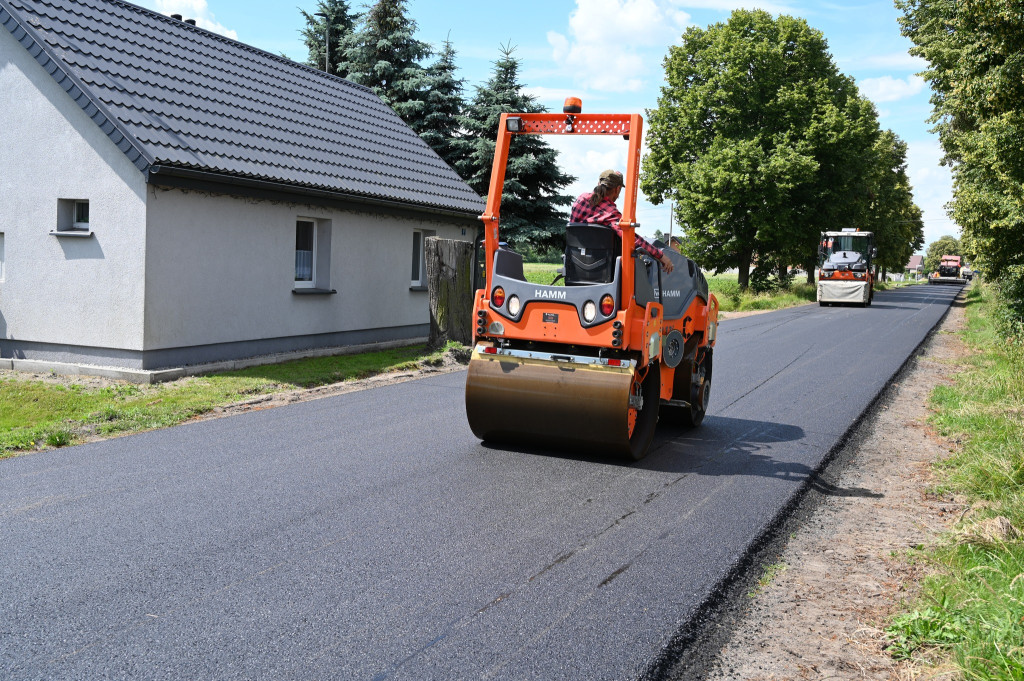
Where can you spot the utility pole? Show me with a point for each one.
(327, 40)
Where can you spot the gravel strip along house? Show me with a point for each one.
(172, 197)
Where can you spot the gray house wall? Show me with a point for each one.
(65, 298)
(173, 276)
(220, 274)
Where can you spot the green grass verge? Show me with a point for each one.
(39, 414)
(971, 610)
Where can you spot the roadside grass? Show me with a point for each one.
(39, 414)
(971, 609)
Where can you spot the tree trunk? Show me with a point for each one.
(450, 286)
(743, 262)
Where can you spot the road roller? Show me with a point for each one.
(591, 362)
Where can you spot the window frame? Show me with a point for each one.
(302, 283)
(420, 263)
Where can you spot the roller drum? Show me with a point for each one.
(553, 404)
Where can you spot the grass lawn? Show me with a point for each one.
(971, 610)
(39, 414)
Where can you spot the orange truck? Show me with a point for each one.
(591, 364)
(949, 271)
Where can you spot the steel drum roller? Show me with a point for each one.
(549, 403)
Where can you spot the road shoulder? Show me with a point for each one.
(844, 570)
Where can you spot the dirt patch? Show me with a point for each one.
(844, 570)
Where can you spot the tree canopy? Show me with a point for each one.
(762, 144)
(975, 55)
(384, 55)
(339, 22)
(532, 207)
(444, 104)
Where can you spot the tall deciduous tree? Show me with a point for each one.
(532, 207)
(444, 106)
(339, 23)
(893, 216)
(760, 141)
(384, 55)
(975, 55)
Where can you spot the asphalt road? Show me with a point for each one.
(371, 536)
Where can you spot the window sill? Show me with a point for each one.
(77, 233)
(313, 291)
(418, 288)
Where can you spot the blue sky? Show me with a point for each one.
(610, 52)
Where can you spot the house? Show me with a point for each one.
(916, 266)
(172, 197)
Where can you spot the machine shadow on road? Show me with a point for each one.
(722, 446)
(725, 446)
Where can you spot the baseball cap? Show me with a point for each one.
(611, 178)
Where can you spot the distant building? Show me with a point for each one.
(915, 268)
(173, 197)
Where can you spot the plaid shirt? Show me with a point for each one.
(606, 213)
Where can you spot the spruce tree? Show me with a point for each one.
(384, 55)
(342, 22)
(444, 105)
(532, 209)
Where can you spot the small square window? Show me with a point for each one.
(73, 217)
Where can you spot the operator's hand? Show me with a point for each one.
(666, 264)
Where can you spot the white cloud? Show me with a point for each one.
(933, 188)
(195, 9)
(889, 89)
(613, 44)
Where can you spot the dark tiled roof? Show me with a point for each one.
(176, 96)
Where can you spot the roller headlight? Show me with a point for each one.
(589, 311)
(514, 305)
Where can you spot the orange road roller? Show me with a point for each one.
(590, 364)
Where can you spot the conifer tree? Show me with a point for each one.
(316, 35)
(444, 105)
(384, 55)
(532, 209)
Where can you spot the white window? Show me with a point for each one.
(305, 253)
(73, 217)
(419, 259)
(312, 256)
(81, 215)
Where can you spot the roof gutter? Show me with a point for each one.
(174, 176)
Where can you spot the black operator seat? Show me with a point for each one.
(590, 253)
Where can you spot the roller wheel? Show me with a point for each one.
(822, 303)
(693, 384)
(642, 421)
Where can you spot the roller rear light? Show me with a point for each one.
(498, 296)
(607, 305)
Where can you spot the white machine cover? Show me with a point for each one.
(842, 291)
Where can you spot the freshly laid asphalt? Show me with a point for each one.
(371, 536)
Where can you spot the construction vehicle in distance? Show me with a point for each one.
(949, 272)
(845, 274)
(592, 364)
